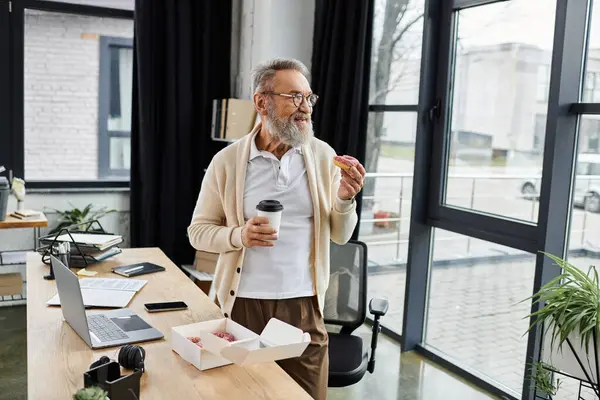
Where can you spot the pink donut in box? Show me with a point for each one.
(223, 335)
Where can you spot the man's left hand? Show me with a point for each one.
(352, 182)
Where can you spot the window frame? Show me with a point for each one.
(13, 61)
(104, 95)
(555, 203)
(6, 146)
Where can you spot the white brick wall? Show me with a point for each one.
(62, 58)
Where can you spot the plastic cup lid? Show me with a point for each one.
(269, 206)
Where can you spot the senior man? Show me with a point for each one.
(263, 273)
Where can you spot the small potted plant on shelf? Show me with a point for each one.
(78, 216)
(570, 320)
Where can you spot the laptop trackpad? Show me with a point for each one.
(130, 323)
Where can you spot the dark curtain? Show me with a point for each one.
(340, 75)
(181, 63)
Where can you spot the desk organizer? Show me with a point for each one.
(108, 377)
(81, 255)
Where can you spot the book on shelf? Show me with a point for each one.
(27, 214)
(232, 118)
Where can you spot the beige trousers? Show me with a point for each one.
(311, 369)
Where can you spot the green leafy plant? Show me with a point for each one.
(542, 376)
(570, 312)
(571, 304)
(77, 216)
(91, 393)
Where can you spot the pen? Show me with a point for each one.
(133, 269)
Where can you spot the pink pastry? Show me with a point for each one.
(225, 335)
(196, 340)
(345, 162)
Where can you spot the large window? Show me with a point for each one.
(500, 84)
(393, 97)
(591, 83)
(70, 94)
(474, 312)
(74, 70)
(114, 119)
(506, 165)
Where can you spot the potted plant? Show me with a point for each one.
(78, 216)
(91, 393)
(544, 382)
(570, 320)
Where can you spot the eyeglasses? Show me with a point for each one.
(297, 98)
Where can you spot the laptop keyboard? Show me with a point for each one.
(104, 328)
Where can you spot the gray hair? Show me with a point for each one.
(263, 73)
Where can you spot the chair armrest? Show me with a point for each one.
(378, 307)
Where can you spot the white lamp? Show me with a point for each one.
(18, 189)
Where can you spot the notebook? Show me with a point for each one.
(137, 269)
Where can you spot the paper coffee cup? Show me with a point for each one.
(271, 209)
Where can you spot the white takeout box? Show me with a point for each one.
(277, 341)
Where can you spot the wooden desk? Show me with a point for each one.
(57, 357)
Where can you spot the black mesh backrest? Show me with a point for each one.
(346, 297)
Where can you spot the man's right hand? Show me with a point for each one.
(258, 233)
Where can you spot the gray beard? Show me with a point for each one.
(286, 131)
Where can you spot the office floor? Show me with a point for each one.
(396, 377)
(405, 377)
(13, 353)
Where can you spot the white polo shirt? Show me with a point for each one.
(284, 270)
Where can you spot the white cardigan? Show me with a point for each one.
(218, 218)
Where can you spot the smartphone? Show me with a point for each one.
(165, 306)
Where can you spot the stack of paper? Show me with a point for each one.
(94, 256)
(92, 241)
(133, 285)
(106, 292)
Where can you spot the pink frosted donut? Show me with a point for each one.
(345, 162)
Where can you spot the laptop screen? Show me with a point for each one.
(71, 299)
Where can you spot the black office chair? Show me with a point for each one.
(345, 306)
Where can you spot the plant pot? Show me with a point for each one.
(564, 360)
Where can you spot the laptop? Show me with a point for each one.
(103, 329)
